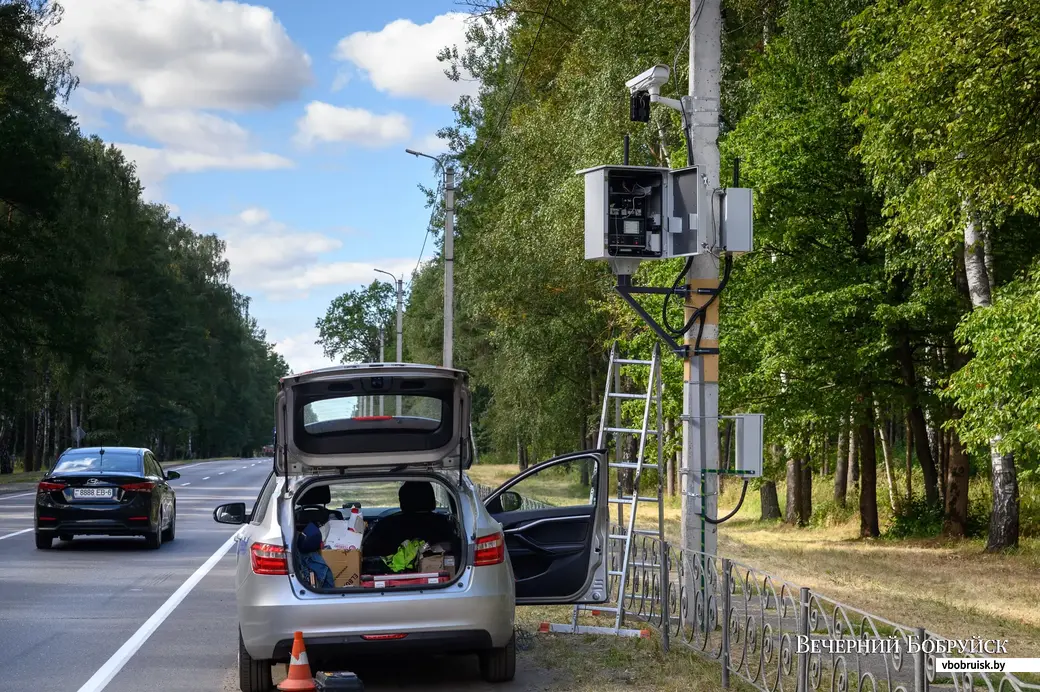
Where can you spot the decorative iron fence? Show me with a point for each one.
(526, 503)
(779, 636)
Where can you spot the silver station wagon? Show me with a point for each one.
(369, 536)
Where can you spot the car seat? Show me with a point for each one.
(312, 507)
(417, 520)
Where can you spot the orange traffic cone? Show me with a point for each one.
(299, 679)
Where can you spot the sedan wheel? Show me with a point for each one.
(154, 539)
(253, 675)
(171, 531)
(44, 541)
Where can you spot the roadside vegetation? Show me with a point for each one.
(117, 318)
(891, 303)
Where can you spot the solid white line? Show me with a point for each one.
(4, 497)
(16, 533)
(120, 658)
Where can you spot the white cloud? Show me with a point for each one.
(153, 165)
(289, 285)
(341, 80)
(323, 122)
(401, 58)
(283, 263)
(431, 144)
(302, 353)
(185, 53)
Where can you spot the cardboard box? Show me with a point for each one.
(345, 566)
(340, 537)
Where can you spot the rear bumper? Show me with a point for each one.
(476, 616)
(101, 519)
(332, 648)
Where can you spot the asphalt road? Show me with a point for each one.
(71, 617)
(109, 614)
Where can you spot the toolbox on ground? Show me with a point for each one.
(387, 581)
(338, 682)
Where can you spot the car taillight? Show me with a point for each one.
(142, 487)
(268, 558)
(49, 487)
(491, 550)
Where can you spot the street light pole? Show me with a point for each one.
(449, 254)
(400, 324)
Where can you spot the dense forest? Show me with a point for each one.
(888, 324)
(117, 318)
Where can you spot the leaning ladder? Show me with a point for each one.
(612, 428)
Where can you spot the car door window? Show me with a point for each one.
(566, 484)
(263, 500)
(151, 467)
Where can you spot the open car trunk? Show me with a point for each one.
(406, 534)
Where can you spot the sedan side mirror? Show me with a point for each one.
(231, 513)
(510, 501)
(172, 475)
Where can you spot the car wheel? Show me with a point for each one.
(499, 665)
(253, 675)
(65, 537)
(43, 541)
(154, 539)
(171, 532)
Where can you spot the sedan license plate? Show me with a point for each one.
(92, 492)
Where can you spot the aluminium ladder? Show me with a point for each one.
(613, 428)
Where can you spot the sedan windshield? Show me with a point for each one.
(109, 462)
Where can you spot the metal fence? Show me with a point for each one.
(752, 623)
(526, 503)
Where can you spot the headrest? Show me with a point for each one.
(319, 495)
(417, 496)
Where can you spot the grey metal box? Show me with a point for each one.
(749, 444)
(737, 220)
(597, 215)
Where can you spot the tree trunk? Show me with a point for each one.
(909, 460)
(794, 489)
(944, 461)
(824, 454)
(955, 514)
(841, 466)
(521, 454)
(886, 450)
(905, 355)
(805, 506)
(978, 268)
(629, 475)
(769, 501)
(29, 462)
(854, 444)
(868, 512)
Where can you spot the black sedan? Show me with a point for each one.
(106, 491)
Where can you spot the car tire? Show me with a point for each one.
(171, 532)
(154, 539)
(44, 541)
(253, 675)
(499, 665)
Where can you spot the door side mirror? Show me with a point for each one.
(231, 513)
(510, 501)
(172, 475)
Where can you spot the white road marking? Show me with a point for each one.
(184, 484)
(120, 658)
(221, 473)
(205, 478)
(5, 497)
(16, 533)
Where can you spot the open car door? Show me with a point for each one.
(556, 524)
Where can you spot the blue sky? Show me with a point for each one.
(279, 126)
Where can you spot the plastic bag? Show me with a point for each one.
(406, 557)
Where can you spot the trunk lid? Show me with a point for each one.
(383, 415)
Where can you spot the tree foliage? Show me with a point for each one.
(118, 318)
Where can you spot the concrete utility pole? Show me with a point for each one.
(449, 254)
(382, 345)
(701, 378)
(400, 324)
(449, 264)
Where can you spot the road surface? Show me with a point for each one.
(109, 614)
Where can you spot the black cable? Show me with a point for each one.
(675, 286)
(740, 503)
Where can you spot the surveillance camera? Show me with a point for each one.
(650, 81)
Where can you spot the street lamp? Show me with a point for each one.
(449, 253)
(400, 333)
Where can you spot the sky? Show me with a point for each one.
(280, 127)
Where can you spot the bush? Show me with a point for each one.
(919, 519)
